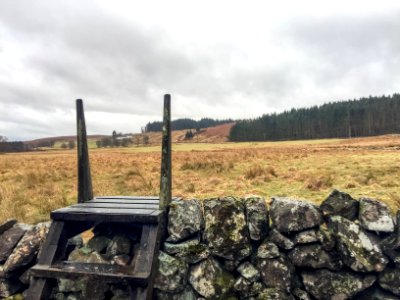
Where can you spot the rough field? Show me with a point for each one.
(33, 184)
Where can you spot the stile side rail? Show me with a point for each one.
(85, 190)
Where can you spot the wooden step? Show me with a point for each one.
(106, 272)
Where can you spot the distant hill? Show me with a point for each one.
(353, 118)
(49, 141)
(186, 123)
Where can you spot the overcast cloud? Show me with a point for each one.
(220, 59)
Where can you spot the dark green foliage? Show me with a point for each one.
(352, 118)
(189, 135)
(13, 147)
(181, 124)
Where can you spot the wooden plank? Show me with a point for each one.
(109, 273)
(166, 173)
(53, 246)
(105, 211)
(124, 201)
(85, 191)
(7, 225)
(116, 205)
(99, 217)
(144, 262)
(128, 197)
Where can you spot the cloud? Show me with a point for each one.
(216, 62)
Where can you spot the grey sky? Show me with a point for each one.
(219, 59)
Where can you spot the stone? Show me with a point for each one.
(326, 238)
(301, 294)
(27, 248)
(231, 265)
(375, 293)
(389, 280)
(95, 289)
(8, 240)
(172, 274)
(267, 250)
(357, 249)
(340, 204)
(119, 245)
(190, 251)
(225, 228)
(249, 272)
(314, 256)
(210, 280)
(122, 260)
(375, 216)
(292, 215)
(99, 243)
(9, 287)
(275, 273)
(25, 277)
(257, 217)
(324, 284)
(246, 288)
(279, 239)
(185, 219)
(66, 285)
(7, 224)
(86, 255)
(186, 294)
(274, 294)
(306, 237)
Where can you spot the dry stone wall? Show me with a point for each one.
(232, 248)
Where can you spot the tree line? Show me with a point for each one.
(351, 118)
(181, 124)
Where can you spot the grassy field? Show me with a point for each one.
(33, 184)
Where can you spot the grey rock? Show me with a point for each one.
(257, 217)
(122, 259)
(86, 255)
(279, 239)
(375, 216)
(292, 215)
(389, 280)
(27, 248)
(75, 242)
(172, 274)
(306, 237)
(275, 273)
(274, 294)
(231, 265)
(301, 294)
(119, 245)
(210, 280)
(246, 288)
(324, 284)
(95, 289)
(340, 204)
(185, 219)
(66, 285)
(9, 287)
(190, 251)
(314, 256)
(8, 240)
(326, 238)
(267, 250)
(375, 293)
(357, 249)
(7, 224)
(99, 243)
(249, 272)
(186, 294)
(225, 228)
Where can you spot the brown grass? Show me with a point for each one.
(33, 184)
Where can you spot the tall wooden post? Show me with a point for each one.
(165, 180)
(85, 191)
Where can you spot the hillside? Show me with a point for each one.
(370, 116)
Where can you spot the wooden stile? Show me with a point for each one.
(146, 212)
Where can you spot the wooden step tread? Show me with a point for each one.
(106, 272)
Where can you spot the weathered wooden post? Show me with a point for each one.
(85, 191)
(165, 180)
